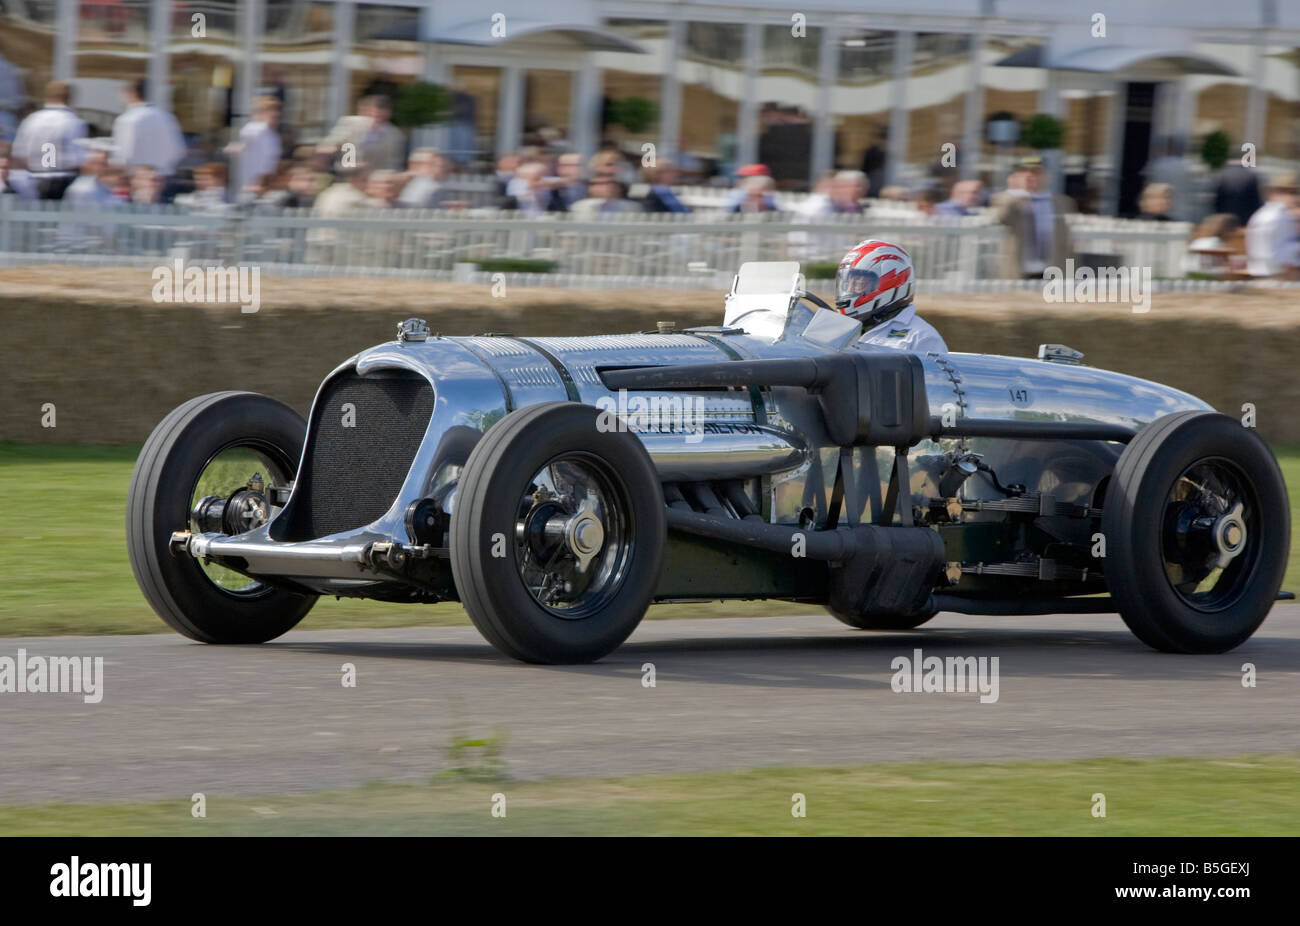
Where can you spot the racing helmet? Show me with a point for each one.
(874, 282)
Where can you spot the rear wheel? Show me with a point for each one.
(204, 462)
(557, 534)
(1197, 528)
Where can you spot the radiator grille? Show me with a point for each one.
(364, 434)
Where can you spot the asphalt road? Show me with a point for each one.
(178, 717)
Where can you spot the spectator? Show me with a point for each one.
(1169, 168)
(257, 192)
(1271, 231)
(257, 153)
(346, 194)
(507, 164)
(660, 197)
(1035, 219)
(303, 186)
(376, 142)
(610, 161)
(519, 186)
(817, 202)
(1156, 203)
(873, 160)
(743, 175)
(840, 194)
(146, 136)
(209, 188)
(1216, 247)
(428, 171)
(12, 181)
(146, 186)
(929, 200)
(784, 143)
(382, 190)
(116, 180)
(1237, 192)
(532, 192)
(964, 199)
(847, 191)
(572, 189)
(88, 189)
(46, 143)
(756, 195)
(608, 197)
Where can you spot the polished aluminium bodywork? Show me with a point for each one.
(773, 437)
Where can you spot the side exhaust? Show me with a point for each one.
(873, 569)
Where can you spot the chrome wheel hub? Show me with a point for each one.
(1229, 534)
(584, 534)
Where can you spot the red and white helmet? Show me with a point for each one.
(875, 281)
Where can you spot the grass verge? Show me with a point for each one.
(1239, 796)
(64, 568)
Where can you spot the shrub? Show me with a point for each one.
(1043, 131)
(515, 265)
(1214, 149)
(420, 104)
(634, 113)
(821, 270)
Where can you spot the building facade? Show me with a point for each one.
(899, 88)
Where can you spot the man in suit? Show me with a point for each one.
(1237, 192)
(377, 143)
(1038, 236)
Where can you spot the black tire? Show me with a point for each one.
(492, 499)
(881, 621)
(159, 500)
(1156, 567)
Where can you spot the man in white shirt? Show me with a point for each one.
(46, 143)
(257, 153)
(146, 136)
(1271, 233)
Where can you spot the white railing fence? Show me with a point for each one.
(673, 249)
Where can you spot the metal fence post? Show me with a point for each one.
(6, 207)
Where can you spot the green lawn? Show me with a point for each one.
(1240, 796)
(64, 569)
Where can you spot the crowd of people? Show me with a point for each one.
(363, 164)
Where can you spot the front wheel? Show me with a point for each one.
(557, 534)
(212, 448)
(1197, 528)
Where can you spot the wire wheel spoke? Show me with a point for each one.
(1208, 522)
(227, 471)
(572, 535)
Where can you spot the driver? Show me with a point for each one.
(874, 285)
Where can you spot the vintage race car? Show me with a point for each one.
(557, 486)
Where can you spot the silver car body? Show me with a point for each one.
(772, 436)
